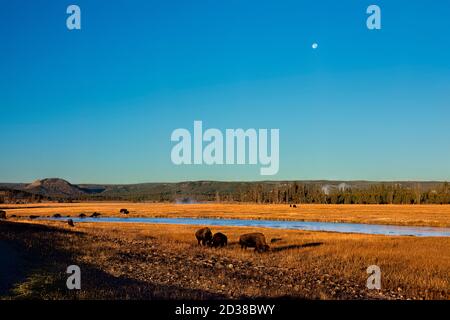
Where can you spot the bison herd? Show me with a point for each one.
(204, 235)
(255, 240)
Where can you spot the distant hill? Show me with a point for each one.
(54, 187)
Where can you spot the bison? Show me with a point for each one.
(70, 223)
(2, 214)
(82, 215)
(95, 215)
(204, 236)
(124, 211)
(255, 240)
(56, 215)
(219, 240)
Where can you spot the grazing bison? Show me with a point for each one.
(70, 223)
(219, 240)
(204, 236)
(82, 215)
(124, 211)
(33, 217)
(2, 214)
(295, 206)
(56, 215)
(95, 215)
(254, 240)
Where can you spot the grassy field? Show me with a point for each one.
(142, 261)
(414, 215)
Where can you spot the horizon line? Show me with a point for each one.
(238, 181)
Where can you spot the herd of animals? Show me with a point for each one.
(255, 240)
(204, 235)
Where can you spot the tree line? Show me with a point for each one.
(289, 192)
(311, 193)
(297, 193)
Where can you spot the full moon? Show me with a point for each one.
(314, 45)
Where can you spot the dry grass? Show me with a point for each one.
(137, 261)
(303, 264)
(414, 215)
(409, 263)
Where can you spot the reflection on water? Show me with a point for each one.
(297, 225)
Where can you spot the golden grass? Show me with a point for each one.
(414, 215)
(411, 267)
(303, 264)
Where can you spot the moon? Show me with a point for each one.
(314, 45)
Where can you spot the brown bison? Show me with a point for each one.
(56, 215)
(219, 240)
(82, 215)
(70, 223)
(254, 240)
(2, 214)
(95, 215)
(204, 236)
(124, 211)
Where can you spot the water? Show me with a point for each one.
(295, 225)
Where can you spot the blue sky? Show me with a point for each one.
(99, 104)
